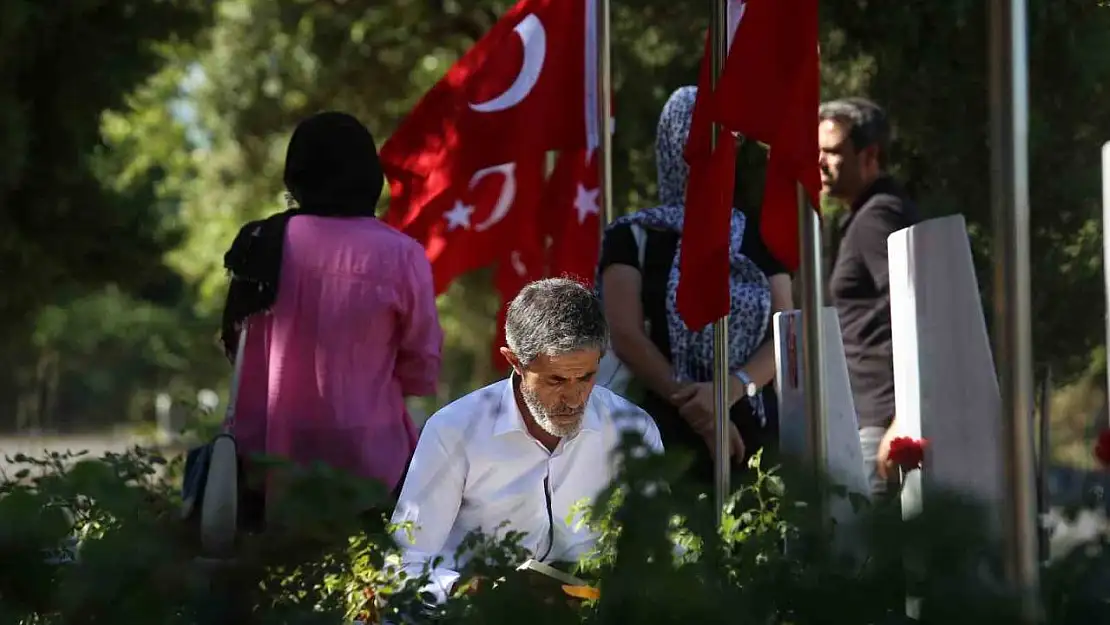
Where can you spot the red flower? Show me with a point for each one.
(1102, 448)
(908, 453)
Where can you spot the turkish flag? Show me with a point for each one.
(477, 222)
(704, 261)
(769, 91)
(528, 86)
(571, 212)
(466, 166)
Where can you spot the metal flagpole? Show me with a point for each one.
(1043, 463)
(1009, 137)
(604, 114)
(718, 26)
(813, 296)
(1106, 242)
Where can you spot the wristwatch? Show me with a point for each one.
(750, 387)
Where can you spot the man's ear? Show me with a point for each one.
(870, 155)
(513, 361)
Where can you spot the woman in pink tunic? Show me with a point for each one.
(340, 311)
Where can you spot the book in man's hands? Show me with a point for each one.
(569, 584)
(550, 571)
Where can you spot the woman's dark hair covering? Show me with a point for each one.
(331, 170)
(332, 164)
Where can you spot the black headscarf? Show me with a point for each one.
(331, 170)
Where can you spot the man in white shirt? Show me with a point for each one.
(523, 451)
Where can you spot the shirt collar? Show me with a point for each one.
(509, 419)
(883, 184)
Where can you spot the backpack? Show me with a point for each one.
(612, 373)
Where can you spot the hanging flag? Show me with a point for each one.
(528, 86)
(466, 166)
(769, 91)
(572, 216)
(704, 268)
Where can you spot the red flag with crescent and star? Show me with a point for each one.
(466, 167)
(528, 86)
(481, 221)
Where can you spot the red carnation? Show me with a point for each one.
(909, 453)
(1102, 448)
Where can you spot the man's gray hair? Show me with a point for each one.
(555, 316)
(866, 121)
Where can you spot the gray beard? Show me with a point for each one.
(543, 418)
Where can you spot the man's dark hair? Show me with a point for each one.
(866, 121)
(554, 317)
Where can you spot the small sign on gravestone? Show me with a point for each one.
(844, 457)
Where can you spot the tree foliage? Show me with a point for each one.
(64, 221)
(83, 205)
(197, 149)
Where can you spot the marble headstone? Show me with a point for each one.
(945, 384)
(844, 457)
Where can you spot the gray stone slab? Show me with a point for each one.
(945, 381)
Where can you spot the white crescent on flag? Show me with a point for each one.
(504, 199)
(534, 38)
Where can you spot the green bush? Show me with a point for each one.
(86, 541)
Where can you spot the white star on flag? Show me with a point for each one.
(458, 216)
(585, 202)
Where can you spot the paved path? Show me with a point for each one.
(38, 446)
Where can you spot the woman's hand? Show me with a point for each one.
(736, 447)
(736, 443)
(696, 403)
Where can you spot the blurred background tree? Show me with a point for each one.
(130, 164)
(85, 220)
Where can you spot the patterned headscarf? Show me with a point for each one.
(750, 291)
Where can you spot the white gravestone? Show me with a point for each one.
(163, 417)
(1106, 239)
(945, 385)
(845, 458)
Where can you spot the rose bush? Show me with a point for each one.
(86, 541)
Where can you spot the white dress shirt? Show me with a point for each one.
(477, 467)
